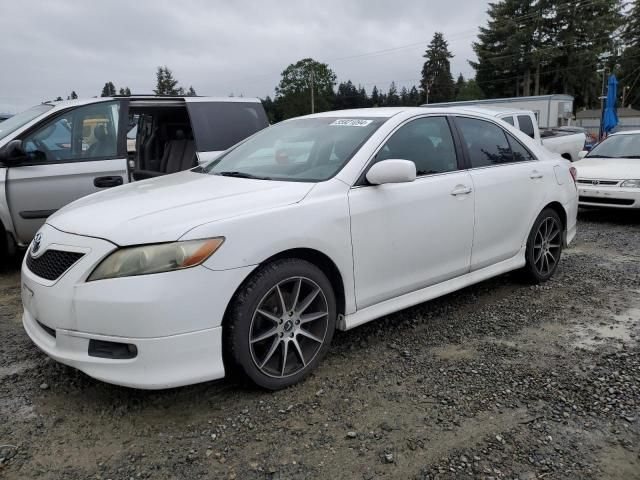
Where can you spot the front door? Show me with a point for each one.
(78, 152)
(408, 236)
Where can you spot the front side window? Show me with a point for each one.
(83, 133)
(302, 150)
(526, 125)
(486, 143)
(427, 142)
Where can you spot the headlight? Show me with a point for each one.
(162, 257)
(631, 183)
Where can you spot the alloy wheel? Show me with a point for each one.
(546, 246)
(288, 327)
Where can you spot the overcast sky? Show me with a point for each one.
(49, 48)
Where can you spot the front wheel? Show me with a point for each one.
(544, 246)
(281, 323)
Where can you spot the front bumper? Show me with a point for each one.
(173, 319)
(609, 196)
(162, 362)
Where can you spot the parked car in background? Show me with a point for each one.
(609, 175)
(55, 153)
(316, 223)
(568, 144)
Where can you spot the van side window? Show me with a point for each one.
(486, 142)
(526, 125)
(427, 142)
(83, 133)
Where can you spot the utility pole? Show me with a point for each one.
(625, 90)
(604, 76)
(313, 100)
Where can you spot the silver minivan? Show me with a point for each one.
(55, 153)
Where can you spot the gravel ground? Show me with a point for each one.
(500, 380)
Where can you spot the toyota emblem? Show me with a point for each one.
(36, 243)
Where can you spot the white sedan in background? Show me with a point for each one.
(609, 175)
(320, 222)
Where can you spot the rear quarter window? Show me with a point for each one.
(219, 125)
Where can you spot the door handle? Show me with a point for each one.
(107, 182)
(535, 175)
(461, 190)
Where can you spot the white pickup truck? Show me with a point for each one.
(565, 143)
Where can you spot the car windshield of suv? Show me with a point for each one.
(19, 120)
(618, 146)
(302, 150)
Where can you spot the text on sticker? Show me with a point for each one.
(351, 122)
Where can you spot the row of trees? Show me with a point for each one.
(528, 47)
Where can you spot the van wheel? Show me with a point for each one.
(544, 246)
(280, 323)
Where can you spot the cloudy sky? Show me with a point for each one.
(51, 47)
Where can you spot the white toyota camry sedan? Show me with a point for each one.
(609, 175)
(318, 223)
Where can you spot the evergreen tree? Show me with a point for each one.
(414, 97)
(404, 96)
(375, 97)
(293, 93)
(437, 81)
(393, 100)
(532, 47)
(165, 83)
(630, 62)
(460, 83)
(73, 95)
(58, 99)
(363, 100)
(124, 92)
(346, 96)
(192, 92)
(470, 91)
(109, 90)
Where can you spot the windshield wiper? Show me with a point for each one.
(241, 175)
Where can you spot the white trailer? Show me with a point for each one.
(550, 110)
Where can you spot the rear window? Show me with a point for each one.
(219, 125)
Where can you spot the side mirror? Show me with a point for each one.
(392, 171)
(12, 153)
(582, 154)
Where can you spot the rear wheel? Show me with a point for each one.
(544, 246)
(281, 323)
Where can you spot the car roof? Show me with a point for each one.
(162, 98)
(387, 112)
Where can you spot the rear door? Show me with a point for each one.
(77, 152)
(218, 125)
(509, 188)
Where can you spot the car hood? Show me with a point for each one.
(165, 208)
(608, 168)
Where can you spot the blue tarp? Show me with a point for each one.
(610, 117)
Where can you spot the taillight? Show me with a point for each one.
(574, 174)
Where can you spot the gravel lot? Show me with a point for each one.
(500, 380)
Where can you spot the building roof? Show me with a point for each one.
(566, 98)
(595, 113)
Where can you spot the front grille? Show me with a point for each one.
(52, 263)
(607, 201)
(598, 182)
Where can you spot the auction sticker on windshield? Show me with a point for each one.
(351, 122)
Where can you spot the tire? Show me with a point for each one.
(280, 323)
(544, 247)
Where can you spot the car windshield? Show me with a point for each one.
(618, 146)
(19, 120)
(302, 150)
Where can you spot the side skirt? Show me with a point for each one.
(407, 300)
